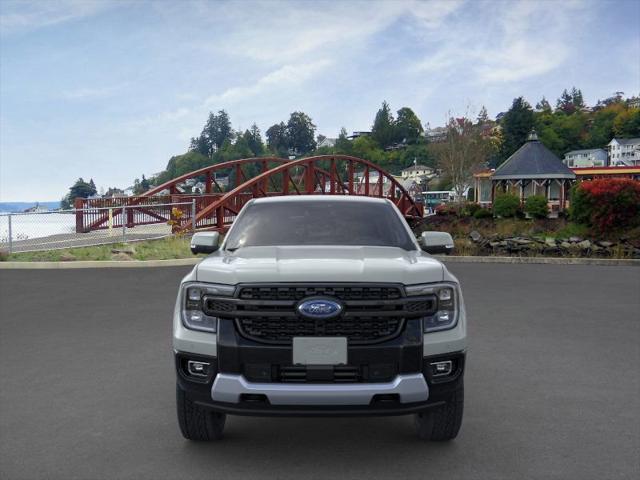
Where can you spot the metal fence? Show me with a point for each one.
(58, 229)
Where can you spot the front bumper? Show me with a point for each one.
(406, 394)
(406, 388)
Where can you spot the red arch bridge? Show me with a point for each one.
(216, 207)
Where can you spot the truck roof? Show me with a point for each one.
(320, 198)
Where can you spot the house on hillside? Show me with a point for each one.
(624, 152)
(358, 134)
(327, 142)
(532, 170)
(417, 172)
(593, 157)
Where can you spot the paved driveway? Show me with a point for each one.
(553, 386)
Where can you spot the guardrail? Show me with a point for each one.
(58, 229)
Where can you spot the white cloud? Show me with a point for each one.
(285, 77)
(20, 16)
(526, 40)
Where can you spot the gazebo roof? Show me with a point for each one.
(532, 160)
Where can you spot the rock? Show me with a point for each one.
(550, 241)
(522, 241)
(67, 257)
(475, 236)
(566, 245)
(575, 239)
(605, 244)
(584, 244)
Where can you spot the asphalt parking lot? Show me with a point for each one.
(552, 386)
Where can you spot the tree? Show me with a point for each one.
(483, 116)
(463, 151)
(254, 140)
(301, 133)
(517, 123)
(627, 124)
(576, 99)
(543, 106)
(565, 103)
(382, 130)
(408, 126)
(343, 144)
(80, 189)
(277, 139)
(216, 131)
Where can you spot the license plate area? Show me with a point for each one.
(320, 350)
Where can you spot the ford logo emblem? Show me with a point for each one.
(319, 308)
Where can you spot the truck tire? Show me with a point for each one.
(442, 423)
(197, 423)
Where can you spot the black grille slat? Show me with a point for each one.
(299, 292)
(372, 313)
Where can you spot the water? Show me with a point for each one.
(29, 226)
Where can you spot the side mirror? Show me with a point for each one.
(205, 242)
(436, 242)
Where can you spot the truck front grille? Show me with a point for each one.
(372, 313)
(358, 330)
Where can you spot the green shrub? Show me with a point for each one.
(536, 206)
(483, 213)
(506, 205)
(469, 209)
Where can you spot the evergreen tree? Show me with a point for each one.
(576, 99)
(382, 130)
(483, 116)
(216, 131)
(517, 123)
(343, 144)
(565, 103)
(253, 139)
(543, 106)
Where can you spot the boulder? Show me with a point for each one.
(575, 239)
(585, 244)
(550, 241)
(475, 236)
(605, 244)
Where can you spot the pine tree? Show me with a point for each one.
(382, 130)
(483, 116)
(543, 106)
(517, 123)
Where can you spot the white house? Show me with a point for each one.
(327, 142)
(624, 152)
(417, 172)
(594, 157)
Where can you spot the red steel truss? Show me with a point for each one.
(216, 207)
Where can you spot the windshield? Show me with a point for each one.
(319, 223)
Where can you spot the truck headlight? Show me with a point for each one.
(192, 301)
(447, 308)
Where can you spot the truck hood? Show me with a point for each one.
(319, 264)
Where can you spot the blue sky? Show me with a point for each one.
(112, 89)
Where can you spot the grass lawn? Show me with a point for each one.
(163, 249)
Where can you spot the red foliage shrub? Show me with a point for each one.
(607, 204)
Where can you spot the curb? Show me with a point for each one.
(181, 262)
(612, 262)
(178, 262)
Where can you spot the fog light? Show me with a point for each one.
(440, 369)
(198, 369)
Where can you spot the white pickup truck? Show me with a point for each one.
(320, 305)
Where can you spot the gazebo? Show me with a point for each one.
(532, 170)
